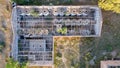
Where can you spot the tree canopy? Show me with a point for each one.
(112, 5)
(43, 2)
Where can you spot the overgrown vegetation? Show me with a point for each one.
(15, 64)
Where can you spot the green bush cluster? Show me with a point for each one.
(62, 30)
(15, 64)
(42, 2)
(88, 56)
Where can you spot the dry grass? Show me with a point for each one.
(5, 15)
(68, 48)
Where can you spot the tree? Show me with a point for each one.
(113, 5)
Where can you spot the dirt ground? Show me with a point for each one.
(66, 52)
(5, 28)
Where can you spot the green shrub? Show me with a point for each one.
(59, 54)
(15, 64)
(43, 2)
(34, 13)
(2, 45)
(62, 30)
(88, 56)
